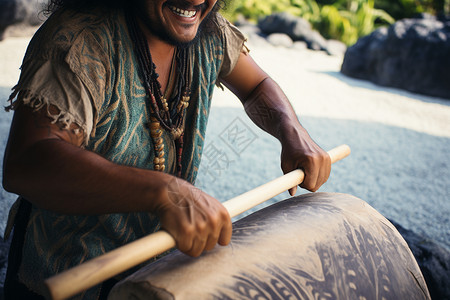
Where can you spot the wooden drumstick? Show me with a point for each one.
(96, 270)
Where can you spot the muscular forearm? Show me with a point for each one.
(58, 176)
(268, 107)
(45, 164)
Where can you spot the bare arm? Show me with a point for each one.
(46, 165)
(269, 108)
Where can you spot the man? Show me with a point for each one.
(109, 123)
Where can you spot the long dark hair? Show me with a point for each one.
(80, 5)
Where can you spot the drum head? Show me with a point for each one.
(315, 246)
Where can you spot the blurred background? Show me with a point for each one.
(344, 20)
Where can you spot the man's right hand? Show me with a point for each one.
(196, 220)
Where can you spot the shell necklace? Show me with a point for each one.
(163, 115)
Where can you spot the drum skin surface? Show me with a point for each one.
(314, 246)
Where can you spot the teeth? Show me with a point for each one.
(182, 12)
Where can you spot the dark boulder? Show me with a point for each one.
(433, 261)
(298, 29)
(295, 27)
(20, 15)
(412, 54)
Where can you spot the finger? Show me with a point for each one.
(185, 245)
(287, 167)
(310, 180)
(225, 233)
(184, 239)
(286, 170)
(213, 236)
(292, 191)
(211, 242)
(198, 246)
(325, 171)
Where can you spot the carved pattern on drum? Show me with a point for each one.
(366, 275)
(318, 246)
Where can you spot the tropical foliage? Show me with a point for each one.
(346, 20)
(407, 8)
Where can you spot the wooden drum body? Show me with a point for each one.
(315, 246)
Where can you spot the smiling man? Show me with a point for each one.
(174, 22)
(110, 115)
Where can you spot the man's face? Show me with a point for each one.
(175, 21)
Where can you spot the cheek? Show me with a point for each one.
(209, 5)
(150, 9)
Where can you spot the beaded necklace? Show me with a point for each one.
(163, 116)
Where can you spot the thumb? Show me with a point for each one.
(292, 191)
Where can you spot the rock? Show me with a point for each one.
(242, 21)
(315, 41)
(295, 27)
(433, 261)
(412, 54)
(252, 32)
(280, 39)
(256, 40)
(300, 45)
(250, 29)
(335, 47)
(298, 29)
(17, 16)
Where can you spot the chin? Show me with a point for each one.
(182, 42)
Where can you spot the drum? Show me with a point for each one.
(315, 246)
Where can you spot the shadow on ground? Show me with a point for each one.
(360, 83)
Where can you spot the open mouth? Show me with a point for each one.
(182, 12)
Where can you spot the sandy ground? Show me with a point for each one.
(400, 161)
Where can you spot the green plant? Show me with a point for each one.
(363, 16)
(333, 25)
(309, 10)
(345, 20)
(400, 9)
(256, 9)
